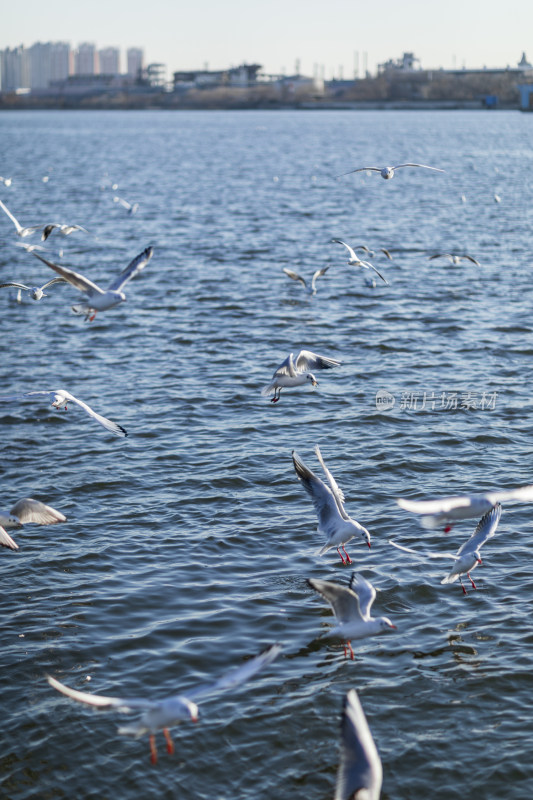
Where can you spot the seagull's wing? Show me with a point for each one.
(14, 286)
(79, 281)
(343, 601)
(66, 229)
(318, 274)
(486, 528)
(385, 253)
(425, 166)
(473, 260)
(359, 169)
(326, 506)
(440, 506)
(6, 540)
(366, 594)
(101, 701)
(47, 230)
(440, 255)
(360, 773)
(524, 493)
(350, 249)
(286, 368)
(371, 266)
(133, 269)
(16, 223)
(237, 676)
(423, 554)
(306, 360)
(30, 510)
(295, 276)
(337, 491)
(54, 280)
(107, 423)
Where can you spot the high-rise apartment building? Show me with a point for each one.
(86, 59)
(135, 58)
(109, 61)
(14, 69)
(48, 62)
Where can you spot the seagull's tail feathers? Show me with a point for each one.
(266, 390)
(450, 578)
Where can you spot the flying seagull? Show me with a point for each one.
(468, 555)
(24, 512)
(131, 208)
(64, 229)
(100, 299)
(309, 289)
(448, 510)
(351, 605)
(163, 714)
(354, 261)
(387, 172)
(333, 521)
(60, 397)
(360, 773)
(296, 372)
(36, 292)
(455, 258)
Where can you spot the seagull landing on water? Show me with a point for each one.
(309, 289)
(36, 292)
(360, 773)
(333, 521)
(163, 714)
(26, 511)
(455, 258)
(388, 172)
(296, 372)
(351, 605)
(468, 556)
(354, 261)
(60, 398)
(100, 299)
(448, 510)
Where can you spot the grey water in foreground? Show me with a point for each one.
(188, 543)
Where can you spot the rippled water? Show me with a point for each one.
(188, 544)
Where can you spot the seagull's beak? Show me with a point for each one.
(479, 561)
(314, 383)
(368, 543)
(393, 626)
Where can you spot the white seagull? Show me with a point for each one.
(296, 372)
(21, 231)
(354, 261)
(295, 277)
(448, 510)
(131, 208)
(333, 521)
(23, 512)
(360, 773)
(64, 229)
(163, 714)
(60, 397)
(468, 555)
(388, 172)
(100, 299)
(351, 605)
(36, 292)
(371, 253)
(455, 258)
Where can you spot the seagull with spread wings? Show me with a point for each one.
(163, 714)
(388, 172)
(296, 372)
(351, 605)
(100, 299)
(295, 277)
(60, 398)
(333, 521)
(354, 261)
(468, 555)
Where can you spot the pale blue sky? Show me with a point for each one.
(187, 35)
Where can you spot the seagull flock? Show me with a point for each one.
(360, 769)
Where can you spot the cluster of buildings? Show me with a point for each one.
(55, 75)
(44, 65)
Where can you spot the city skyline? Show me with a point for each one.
(336, 37)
